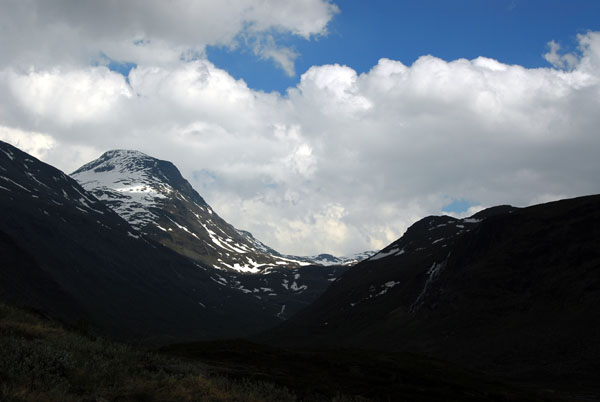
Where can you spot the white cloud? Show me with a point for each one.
(325, 226)
(36, 144)
(342, 162)
(585, 59)
(283, 57)
(46, 33)
(69, 96)
(333, 88)
(301, 17)
(301, 161)
(564, 61)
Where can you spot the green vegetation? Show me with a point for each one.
(41, 361)
(381, 376)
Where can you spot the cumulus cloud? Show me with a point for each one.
(147, 31)
(36, 144)
(342, 162)
(69, 96)
(564, 61)
(585, 58)
(284, 57)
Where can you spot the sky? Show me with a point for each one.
(319, 126)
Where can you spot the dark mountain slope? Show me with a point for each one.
(152, 195)
(514, 291)
(154, 198)
(24, 282)
(65, 252)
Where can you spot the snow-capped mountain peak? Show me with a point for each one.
(153, 196)
(134, 184)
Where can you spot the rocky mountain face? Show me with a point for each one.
(66, 253)
(155, 199)
(159, 203)
(509, 290)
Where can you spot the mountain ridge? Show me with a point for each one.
(512, 291)
(67, 253)
(56, 236)
(152, 195)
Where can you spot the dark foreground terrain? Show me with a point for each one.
(377, 376)
(43, 361)
(509, 291)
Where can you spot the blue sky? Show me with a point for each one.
(354, 150)
(458, 206)
(510, 31)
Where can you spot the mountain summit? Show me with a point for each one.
(133, 184)
(66, 253)
(153, 196)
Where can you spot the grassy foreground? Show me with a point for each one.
(42, 361)
(380, 376)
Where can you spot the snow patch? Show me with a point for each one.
(32, 177)
(8, 154)
(471, 220)
(15, 183)
(433, 272)
(279, 315)
(294, 286)
(183, 228)
(383, 254)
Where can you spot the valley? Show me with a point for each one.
(500, 305)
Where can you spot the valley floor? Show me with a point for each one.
(43, 361)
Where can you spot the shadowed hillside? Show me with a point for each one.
(510, 291)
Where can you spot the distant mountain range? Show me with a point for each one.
(514, 291)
